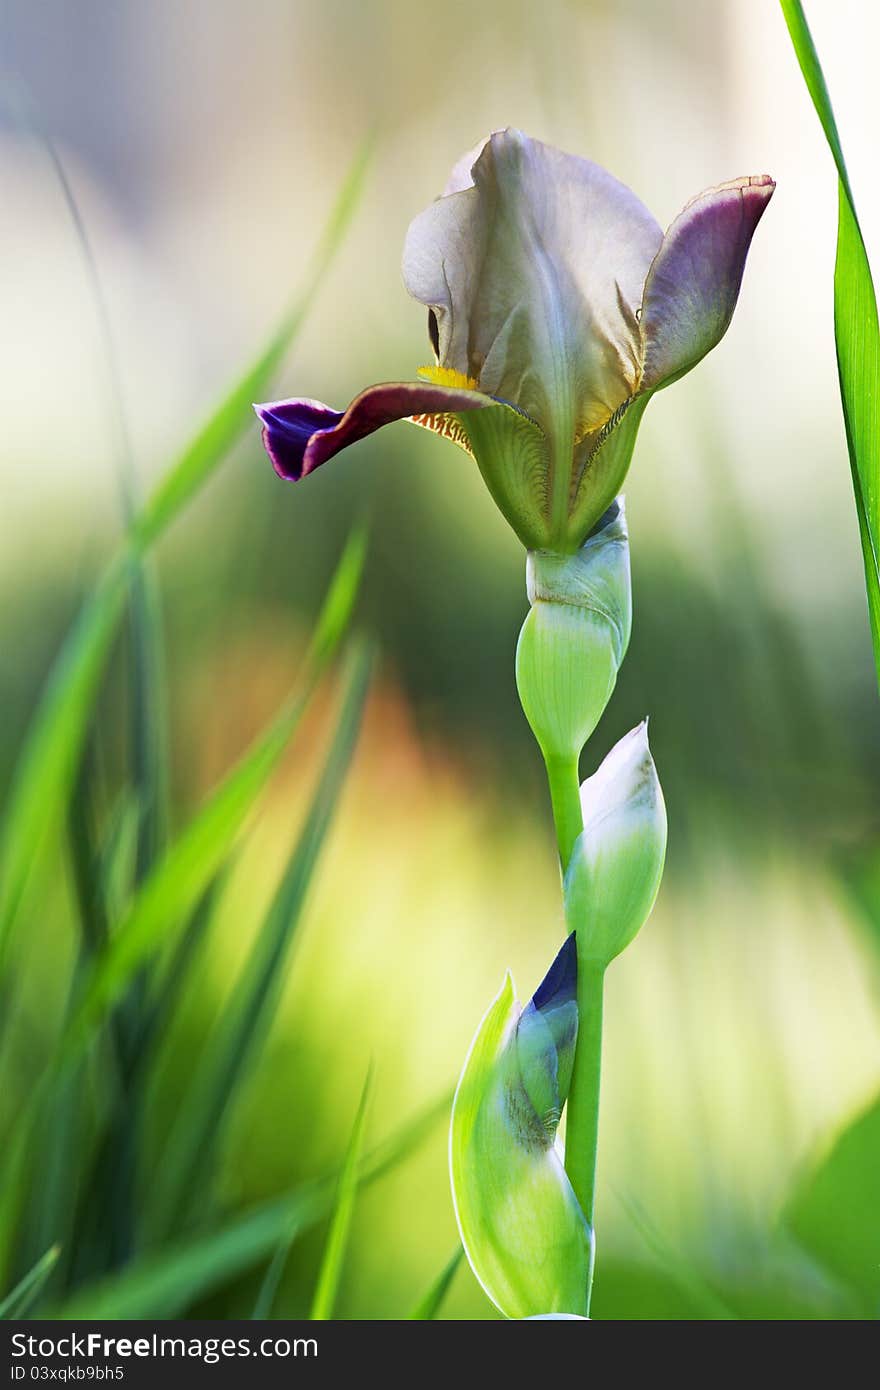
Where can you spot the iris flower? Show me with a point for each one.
(556, 308)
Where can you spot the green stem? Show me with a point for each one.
(582, 1124)
(562, 774)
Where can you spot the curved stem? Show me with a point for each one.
(562, 774)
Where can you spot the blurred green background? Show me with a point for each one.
(204, 142)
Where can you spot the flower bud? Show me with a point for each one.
(545, 1040)
(617, 863)
(527, 1240)
(575, 636)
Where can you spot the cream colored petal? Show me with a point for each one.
(535, 274)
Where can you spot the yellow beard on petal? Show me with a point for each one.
(447, 376)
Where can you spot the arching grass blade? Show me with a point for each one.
(855, 328)
(248, 1013)
(330, 1272)
(430, 1303)
(165, 1284)
(21, 1299)
(50, 752)
(234, 413)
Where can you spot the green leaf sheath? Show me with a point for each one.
(525, 1234)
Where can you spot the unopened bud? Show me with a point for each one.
(617, 862)
(524, 1233)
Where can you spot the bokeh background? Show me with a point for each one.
(205, 141)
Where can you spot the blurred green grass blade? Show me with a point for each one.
(339, 601)
(86, 860)
(859, 876)
(53, 743)
(330, 1272)
(430, 1303)
(249, 1012)
(234, 413)
(834, 1211)
(117, 852)
(268, 1290)
(168, 989)
(108, 1212)
(166, 899)
(148, 735)
(855, 328)
(148, 702)
(26, 1292)
(165, 1283)
(688, 1277)
(171, 891)
(56, 1156)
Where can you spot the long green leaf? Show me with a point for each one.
(249, 1012)
(430, 1303)
(855, 328)
(50, 753)
(17, 1303)
(165, 1284)
(333, 1259)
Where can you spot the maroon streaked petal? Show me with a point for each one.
(299, 435)
(693, 284)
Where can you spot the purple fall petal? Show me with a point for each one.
(288, 426)
(693, 284)
(299, 435)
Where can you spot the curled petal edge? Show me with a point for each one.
(694, 281)
(301, 434)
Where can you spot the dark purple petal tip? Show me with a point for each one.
(559, 985)
(298, 435)
(693, 284)
(288, 429)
